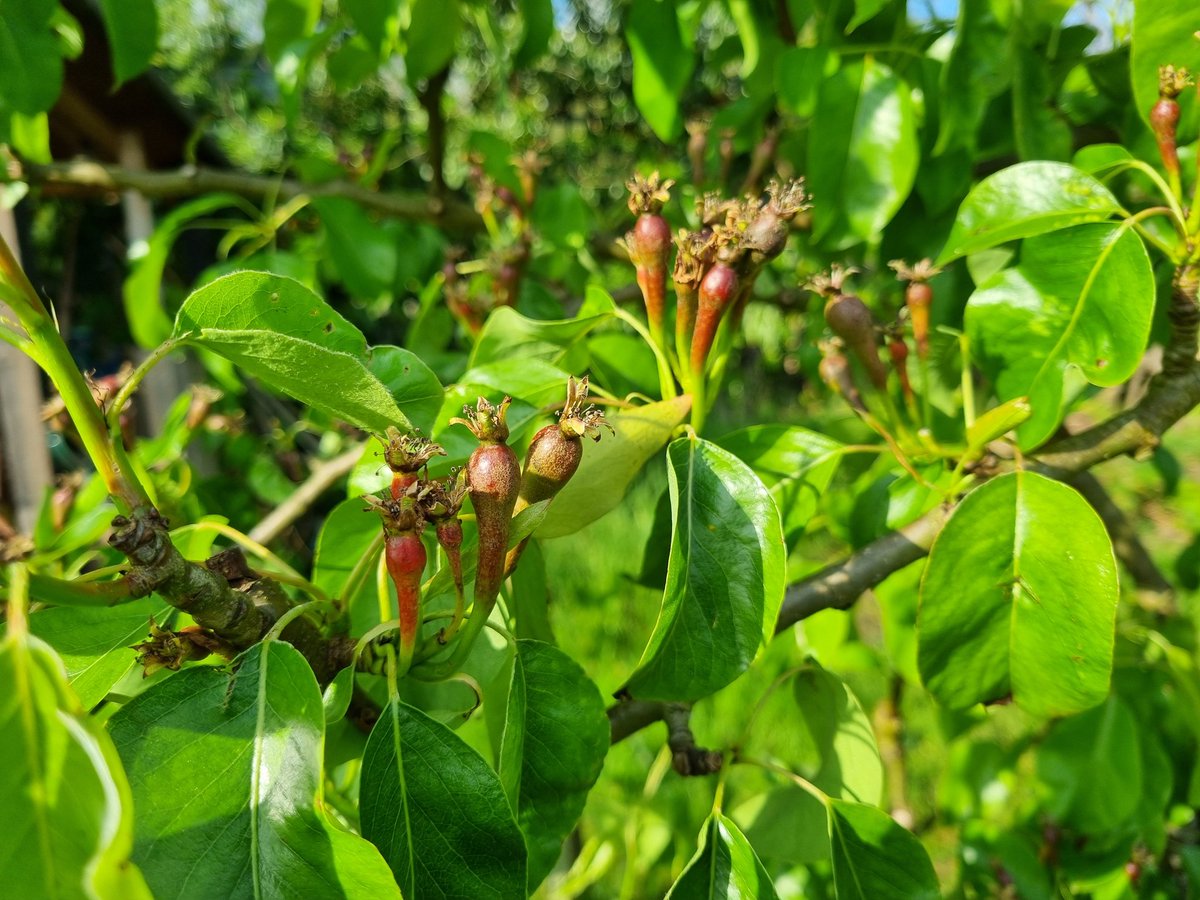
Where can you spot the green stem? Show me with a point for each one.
(666, 380)
(131, 384)
(51, 353)
(968, 386)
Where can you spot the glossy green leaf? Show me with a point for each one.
(142, 293)
(724, 578)
(431, 38)
(278, 330)
(538, 18)
(556, 735)
(662, 64)
(1162, 35)
(29, 56)
(95, 642)
(67, 808)
(413, 385)
(1081, 297)
(253, 825)
(437, 811)
(1101, 159)
(795, 463)
(1024, 200)
(287, 21)
(508, 335)
(875, 857)
(1014, 603)
(863, 167)
(724, 868)
(1091, 767)
(132, 27)
(609, 467)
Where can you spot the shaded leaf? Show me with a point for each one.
(1013, 603)
(437, 811)
(725, 866)
(132, 27)
(874, 857)
(432, 35)
(556, 735)
(287, 21)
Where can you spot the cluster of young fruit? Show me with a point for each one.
(499, 488)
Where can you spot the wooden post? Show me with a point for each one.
(26, 471)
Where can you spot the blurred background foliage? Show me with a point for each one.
(891, 111)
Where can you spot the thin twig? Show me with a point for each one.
(323, 476)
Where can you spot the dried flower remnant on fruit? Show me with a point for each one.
(406, 455)
(695, 254)
(767, 232)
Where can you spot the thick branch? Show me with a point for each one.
(93, 177)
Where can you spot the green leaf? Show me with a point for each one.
(1039, 131)
(347, 534)
(254, 824)
(1091, 766)
(997, 422)
(431, 38)
(977, 70)
(1014, 603)
(1162, 35)
(262, 301)
(287, 21)
(414, 387)
(142, 293)
(437, 811)
(376, 20)
(30, 57)
(662, 64)
(507, 335)
(742, 13)
(795, 463)
(724, 867)
(864, 11)
(1025, 200)
(724, 578)
(364, 252)
(67, 808)
(538, 17)
(1081, 297)
(278, 330)
(864, 165)
(95, 642)
(556, 735)
(609, 466)
(875, 857)
(132, 27)
(799, 72)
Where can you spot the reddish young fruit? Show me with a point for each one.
(767, 232)
(918, 298)
(898, 351)
(695, 253)
(649, 245)
(717, 293)
(851, 320)
(440, 501)
(1164, 115)
(554, 455)
(493, 481)
(834, 370)
(405, 558)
